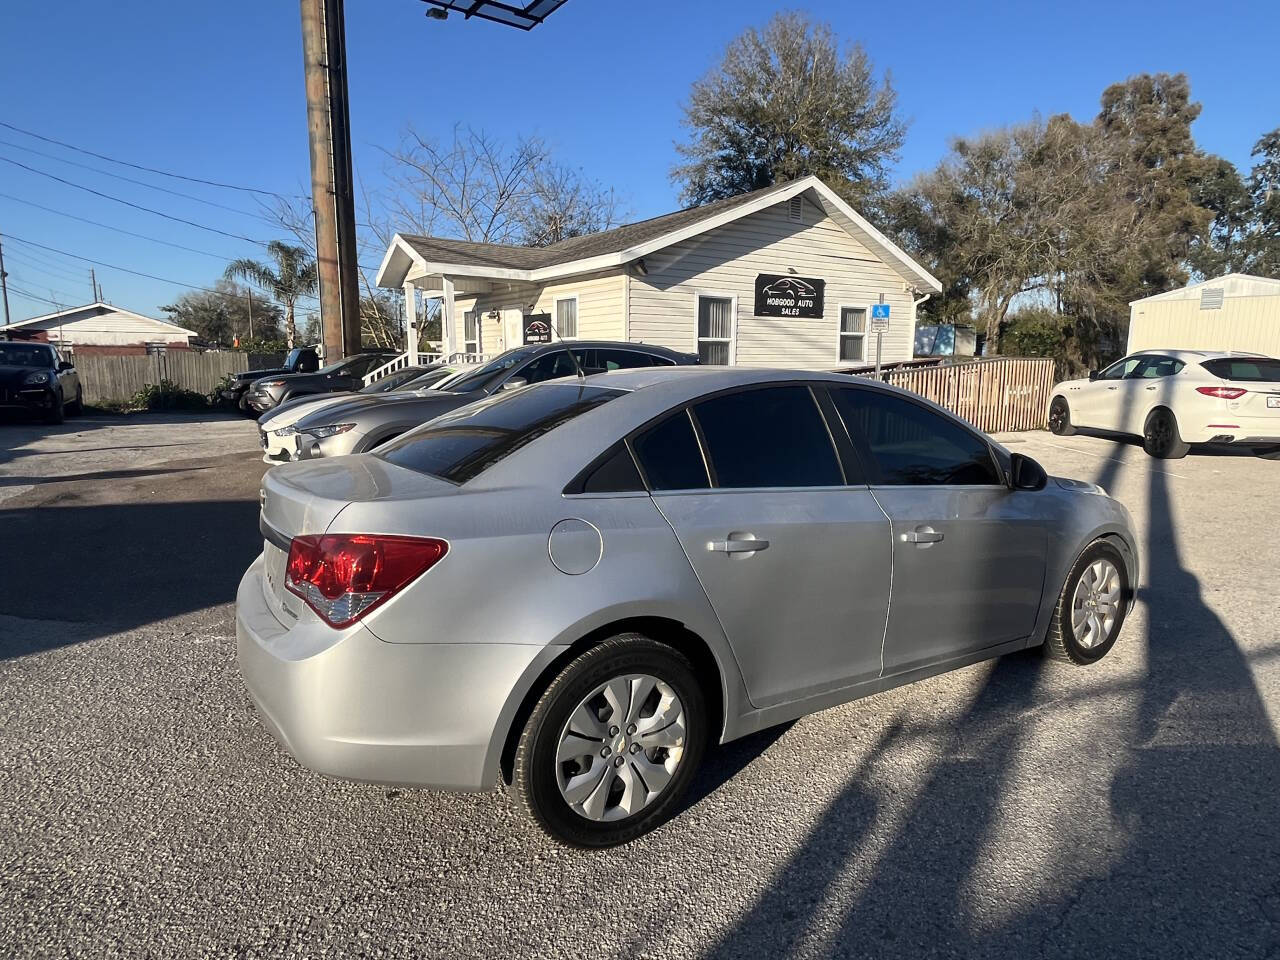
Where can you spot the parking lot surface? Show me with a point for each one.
(1013, 809)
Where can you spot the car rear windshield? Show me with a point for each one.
(1245, 368)
(459, 447)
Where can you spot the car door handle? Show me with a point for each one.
(738, 545)
(1152, 387)
(922, 535)
(1113, 388)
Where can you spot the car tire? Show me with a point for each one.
(583, 799)
(1080, 633)
(1060, 418)
(58, 412)
(1160, 436)
(243, 405)
(1268, 453)
(76, 407)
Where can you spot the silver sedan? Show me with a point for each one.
(577, 587)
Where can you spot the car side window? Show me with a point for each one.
(622, 359)
(615, 473)
(1120, 369)
(549, 366)
(908, 444)
(1153, 368)
(770, 437)
(670, 456)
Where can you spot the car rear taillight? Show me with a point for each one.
(1222, 393)
(344, 576)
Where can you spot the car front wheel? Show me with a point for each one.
(612, 744)
(1091, 608)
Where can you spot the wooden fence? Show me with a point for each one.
(104, 377)
(994, 395)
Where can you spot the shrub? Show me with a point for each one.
(167, 395)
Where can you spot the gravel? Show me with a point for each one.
(1011, 809)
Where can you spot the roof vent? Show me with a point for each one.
(795, 207)
(1211, 298)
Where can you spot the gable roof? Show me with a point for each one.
(623, 244)
(1232, 283)
(98, 308)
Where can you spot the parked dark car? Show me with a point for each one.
(299, 360)
(359, 423)
(346, 374)
(33, 378)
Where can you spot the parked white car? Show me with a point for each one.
(1174, 398)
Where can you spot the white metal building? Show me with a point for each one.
(1234, 312)
(784, 276)
(101, 328)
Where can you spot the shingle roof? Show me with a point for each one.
(500, 255)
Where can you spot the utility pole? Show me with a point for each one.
(332, 194)
(93, 283)
(250, 314)
(4, 284)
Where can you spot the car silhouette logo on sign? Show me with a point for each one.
(779, 295)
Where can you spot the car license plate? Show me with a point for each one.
(1273, 402)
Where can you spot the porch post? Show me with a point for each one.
(410, 322)
(447, 331)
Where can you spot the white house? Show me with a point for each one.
(784, 276)
(1233, 312)
(101, 328)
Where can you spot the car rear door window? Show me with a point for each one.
(460, 446)
(909, 444)
(608, 359)
(670, 456)
(771, 437)
(549, 366)
(615, 473)
(1155, 367)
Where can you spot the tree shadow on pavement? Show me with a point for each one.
(1189, 864)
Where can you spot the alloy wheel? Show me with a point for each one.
(1057, 415)
(1095, 604)
(620, 747)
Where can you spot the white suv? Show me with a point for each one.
(1174, 398)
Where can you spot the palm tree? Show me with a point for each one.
(293, 276)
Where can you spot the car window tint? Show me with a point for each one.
(670, 456)
(622, 359)
(549, 366)
(774, 437)
(1153, 368)
(617, 473)
(1244, 368)
(910, 444)
(460, 446)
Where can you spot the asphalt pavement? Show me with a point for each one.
(1012, 809)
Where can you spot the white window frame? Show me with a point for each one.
(577, 316)
(467, 344)
(866, 331)
(699, 296)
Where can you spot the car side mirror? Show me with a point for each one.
(515, 383)
(1093, 375)
(65, 365)
(1026, 474)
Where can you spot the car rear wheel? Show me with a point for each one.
(1060, 418)
(1160, 437)
(1091, 608)
(612, 743)
(77, 406)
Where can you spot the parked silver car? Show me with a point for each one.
(577, 586)
(362, 423)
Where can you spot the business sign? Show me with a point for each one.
(879, 317)
(786, 296)
(537, 328)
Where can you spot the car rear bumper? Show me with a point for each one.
(1228, 427)
(347, 704)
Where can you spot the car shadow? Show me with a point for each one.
(1188, 863)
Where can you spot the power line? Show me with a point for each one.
(138, 273)
(141, 183)
(31, 296)
(136, 206)
(137, 166)
(26, 264)
(107, 226)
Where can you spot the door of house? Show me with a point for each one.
(512, 327)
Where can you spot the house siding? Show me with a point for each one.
(105, 330)
(662, 307)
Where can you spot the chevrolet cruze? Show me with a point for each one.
(578, 586)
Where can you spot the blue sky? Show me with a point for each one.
(214, 90)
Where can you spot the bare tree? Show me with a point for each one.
(562, 203)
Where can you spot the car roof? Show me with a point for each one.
(1191, 355)
(614, 344)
